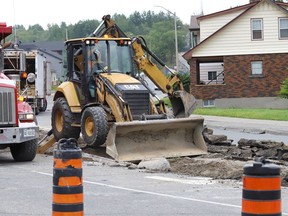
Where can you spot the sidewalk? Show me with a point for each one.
(246, 125)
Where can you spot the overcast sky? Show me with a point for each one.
(30, 12)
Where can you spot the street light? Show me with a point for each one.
(176, 39)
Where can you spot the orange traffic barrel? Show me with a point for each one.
(261, 193)
(67, 179)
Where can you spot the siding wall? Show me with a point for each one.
(210, 25)
(238, 80)
(236, 37)
(207, 67)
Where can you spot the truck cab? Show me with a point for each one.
(18, 125)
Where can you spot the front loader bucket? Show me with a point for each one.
(139, 140)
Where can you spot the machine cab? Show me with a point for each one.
(89, 57)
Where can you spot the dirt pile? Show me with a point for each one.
(226, 161)
(216, 168)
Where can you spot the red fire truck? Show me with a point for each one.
(18, 125)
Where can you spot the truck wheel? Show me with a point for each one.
(36, 110)
(44, 107)
(25, 151)
(94, 126)
(61, 120)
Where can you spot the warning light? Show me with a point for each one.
(21, 98)
(24, 75)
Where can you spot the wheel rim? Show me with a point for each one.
(89, 126)
(59, 121)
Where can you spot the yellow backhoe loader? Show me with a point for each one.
(107, 101)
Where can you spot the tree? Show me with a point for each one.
(157, 29)
(161, 40)
(36, 33)
(55, 33)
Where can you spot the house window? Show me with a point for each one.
(212, 75)
(257, 29)
(283, 28)
(208, 103)
(256, 68)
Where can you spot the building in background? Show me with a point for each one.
(239, 56)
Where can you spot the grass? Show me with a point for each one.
(265, 114)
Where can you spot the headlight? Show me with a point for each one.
(31, 78)
(26, 117)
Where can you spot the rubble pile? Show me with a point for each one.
(246, 149)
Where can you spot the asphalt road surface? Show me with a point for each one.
(26, 189)
(237, 128)
(113, 189)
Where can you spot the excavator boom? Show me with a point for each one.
(183, 103)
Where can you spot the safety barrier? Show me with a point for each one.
(261, 193)
(67, 179)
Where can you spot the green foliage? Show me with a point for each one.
(284, 89)
(157, 29)
(268, 114)
(185, 78)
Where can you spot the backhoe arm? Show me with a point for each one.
(109, 28)
(182, 102)
(166, 84)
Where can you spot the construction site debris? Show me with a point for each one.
(222, 161)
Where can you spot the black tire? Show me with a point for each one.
(61, 120)
(36, 110)
(94, 126)
(25, 151)
(44, 107)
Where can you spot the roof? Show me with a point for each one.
(45, 45)
(246, 8)
(237, 8)
(51, 48)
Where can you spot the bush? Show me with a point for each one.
(185, 79)
(283, 93)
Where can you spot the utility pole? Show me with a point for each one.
(176, 38)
